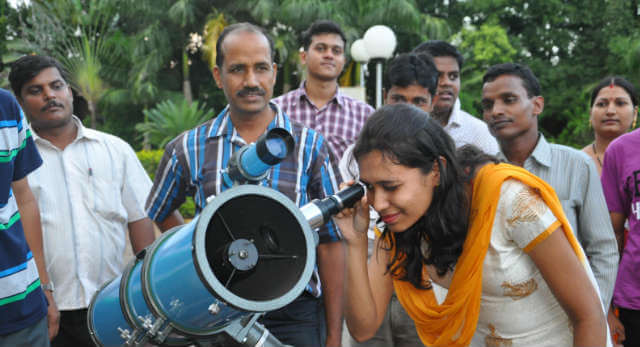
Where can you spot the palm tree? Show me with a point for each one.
(77, 34)
(168, 120)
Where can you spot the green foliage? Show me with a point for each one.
(134, 50)
(3, 28)
(168, 120)
(150, 160)
(482, 47)
(568, 45)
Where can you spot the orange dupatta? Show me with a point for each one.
(454, 322)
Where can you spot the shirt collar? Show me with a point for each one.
(223, 126)
(455, 117)
(82, 132)
(541, 153)
(301, 92)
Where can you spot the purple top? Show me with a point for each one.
(621, 186)
(339, 121)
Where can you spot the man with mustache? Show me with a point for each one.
(511, 103)
(193, 163)
(460, 125)
(90, 191)
(318, 102)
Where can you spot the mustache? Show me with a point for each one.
(51, 104)
(248, 91)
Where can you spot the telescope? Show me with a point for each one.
(251, 250)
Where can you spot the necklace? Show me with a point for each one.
(593, 146)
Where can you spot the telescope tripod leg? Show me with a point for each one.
(248, 332)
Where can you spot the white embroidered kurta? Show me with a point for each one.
(517, 307)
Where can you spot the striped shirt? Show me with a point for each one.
(22, 302)
(574, 177)
(339, 121)
(192, 165)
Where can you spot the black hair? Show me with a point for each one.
(438, 48)
(410, 68)
(616, 81)
(408, 136)
(27, 67)
(244, 27)
(321, 27)
(529, 80)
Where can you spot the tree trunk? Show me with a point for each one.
(92, 112)
(145, 136)
(186, 83)
(286, 85)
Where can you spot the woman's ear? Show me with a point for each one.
(436, 169)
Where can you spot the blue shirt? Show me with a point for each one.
(193, 162)
(22, 302)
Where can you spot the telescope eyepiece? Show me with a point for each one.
(251, 163)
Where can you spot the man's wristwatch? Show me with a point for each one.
(48, 286)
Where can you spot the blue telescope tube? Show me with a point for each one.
(262, 156)
(251, 162)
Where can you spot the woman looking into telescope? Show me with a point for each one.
(493, 234)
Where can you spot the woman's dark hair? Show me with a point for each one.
(616, 81)
(408, 136)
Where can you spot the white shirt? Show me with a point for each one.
(467, 129)
(87, 195)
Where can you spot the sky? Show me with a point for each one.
(15, 3)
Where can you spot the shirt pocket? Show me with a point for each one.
(104, 195)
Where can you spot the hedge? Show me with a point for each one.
(150, 160)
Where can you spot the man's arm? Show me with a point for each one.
(330, 256)
(169, 190)
(617, 221)
(331, 267)
(141, 234)
(173, 220)
(30, 218)
(597, 236)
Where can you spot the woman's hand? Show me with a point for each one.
(354, 222)
(616, 328)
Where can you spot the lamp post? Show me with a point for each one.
(359, 54)
(380, 42)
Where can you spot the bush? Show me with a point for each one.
(150, 161)
(168, 120)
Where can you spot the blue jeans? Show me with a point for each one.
(397, 329)
(36, 335)
(300, 324)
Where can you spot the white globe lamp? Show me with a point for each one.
(360, 55)
(380, 42)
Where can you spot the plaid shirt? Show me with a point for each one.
(340, 120)
(192, 164)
